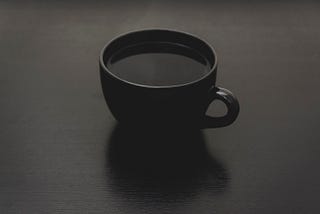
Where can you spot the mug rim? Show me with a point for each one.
(106, 69)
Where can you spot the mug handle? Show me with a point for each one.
(232, 105)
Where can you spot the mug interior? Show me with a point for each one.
(165, 37)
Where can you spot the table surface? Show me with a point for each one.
(61, 151)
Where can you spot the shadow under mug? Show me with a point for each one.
(170, 105)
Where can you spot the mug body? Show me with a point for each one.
(182, 104)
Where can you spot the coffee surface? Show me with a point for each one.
(158, 64)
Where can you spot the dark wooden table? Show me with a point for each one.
(61, 151)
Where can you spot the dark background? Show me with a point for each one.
(61, 151)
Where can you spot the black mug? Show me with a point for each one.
(169, 105)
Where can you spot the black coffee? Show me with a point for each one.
(158, 64)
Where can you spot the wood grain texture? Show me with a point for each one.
(62, 152)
